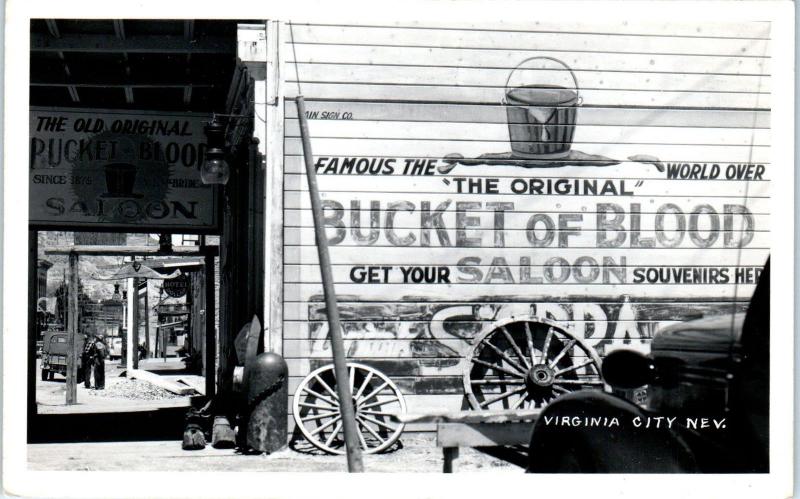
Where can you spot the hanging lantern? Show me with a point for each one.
(215, 169)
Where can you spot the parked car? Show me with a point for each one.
(54, 354)
(114, 347)
(707, 405)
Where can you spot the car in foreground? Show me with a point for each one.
(706, 410)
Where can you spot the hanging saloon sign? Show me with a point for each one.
(106, 169)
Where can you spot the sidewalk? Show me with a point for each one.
(419, 454)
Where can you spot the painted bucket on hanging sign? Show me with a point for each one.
(542, 116)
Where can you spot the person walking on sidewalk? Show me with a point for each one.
(87, 361)
(99, 362)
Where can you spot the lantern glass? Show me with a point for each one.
(215, 170)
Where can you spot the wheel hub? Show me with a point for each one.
(541, 375)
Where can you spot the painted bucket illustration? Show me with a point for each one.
(541, 116)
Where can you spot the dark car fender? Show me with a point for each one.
(594, 432)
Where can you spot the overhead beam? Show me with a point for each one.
(133, 44)
(119, 29)
(52, 27)
(119, 84)
(133, 250)
(188, 29)
(73, 93)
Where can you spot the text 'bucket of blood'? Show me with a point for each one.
(542, 115)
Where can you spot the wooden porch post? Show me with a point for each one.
(72, 331)
(132, 298)
(211, 340)
(33, 298)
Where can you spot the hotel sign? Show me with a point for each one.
(119, 170)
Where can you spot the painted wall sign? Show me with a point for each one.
(597, 176)
(107, 169)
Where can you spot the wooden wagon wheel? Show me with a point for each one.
(525, 362)
(317, 413)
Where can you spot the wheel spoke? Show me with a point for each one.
(529, 339)
(560, 389)
(497, 382)
(504, 356)
(362, 440)
(333, 433)
(379, 402)
(498, 368)
(319, 416)
(375, 391)
(578, 382)
(502, 396)
(573, 368)
(369, 429)
(515, 347)
(378, 423)
(520, 401)
(315, 406)
(352, 378)
(328, 388)
(323, 426)
(363, 385)
(334, 403)
(546, 346)
(562, 353)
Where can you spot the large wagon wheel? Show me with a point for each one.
(319, 418)
(525, 362)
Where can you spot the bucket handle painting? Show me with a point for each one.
(541, 116)
(542, 119)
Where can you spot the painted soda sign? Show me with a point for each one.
(91, 169)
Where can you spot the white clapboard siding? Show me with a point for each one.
(441, 313)
(533, 204)
(513, 220)
(625, 169)
(610, 37)
(431, 112)
(654, 92)
(510, 185)
(497, 77)
(487, 239)
(405, 330)
(499, 132)
(471, 292)
(710, 153)
(459, 93)
(438, 255)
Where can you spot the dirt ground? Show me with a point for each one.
(50, 395)
(418, 454)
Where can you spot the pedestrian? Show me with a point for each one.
(87, 361)
(100, 354)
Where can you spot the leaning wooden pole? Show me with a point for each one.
(354, 462)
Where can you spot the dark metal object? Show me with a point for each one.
(267, 403)
(354, 461)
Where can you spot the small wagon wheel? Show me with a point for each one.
(375, 398)
(525, 362)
